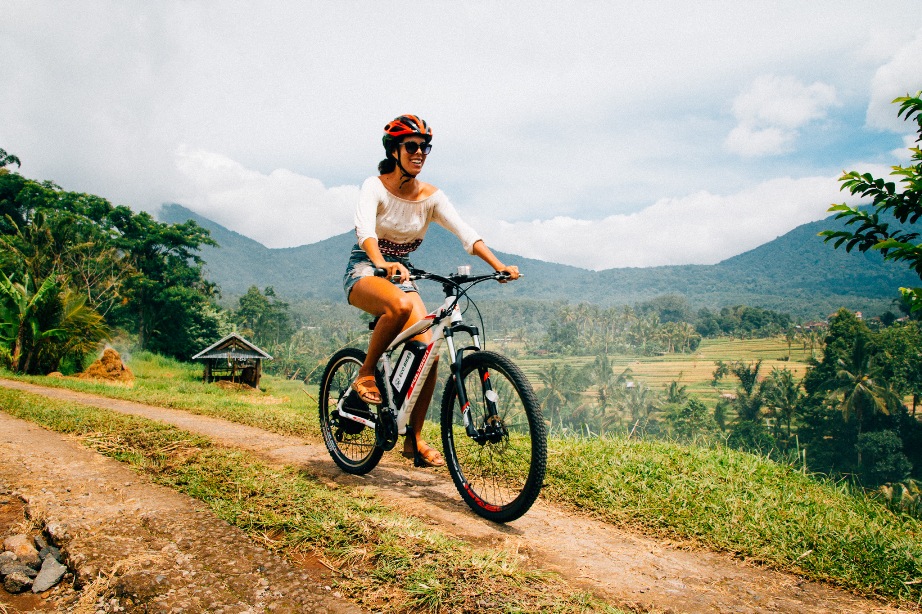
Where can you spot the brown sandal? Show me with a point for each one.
(367, 390)
(427, 457)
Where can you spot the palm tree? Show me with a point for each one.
(639, 402)
(781, 395)
(81, 327)
(20, 322)
(856, 387)
(675, 393)
(553, 395)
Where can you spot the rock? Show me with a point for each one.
(40, 543)
(57, 531)
(6, 557)
(52, 552)
(21, 546)
(50, 574)
(17, 567)
(17, 582)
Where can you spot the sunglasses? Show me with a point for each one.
(412, 147)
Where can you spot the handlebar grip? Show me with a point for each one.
(380, 272)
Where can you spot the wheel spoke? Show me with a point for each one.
(500, 472)
(351, 444)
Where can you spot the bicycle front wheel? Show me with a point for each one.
(351, 444)
(500, 470)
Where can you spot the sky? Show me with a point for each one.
(596, 134)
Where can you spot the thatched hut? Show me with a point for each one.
(233, 359)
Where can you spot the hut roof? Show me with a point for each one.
(232, 346)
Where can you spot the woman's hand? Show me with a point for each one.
(511, 271)
(395, 271)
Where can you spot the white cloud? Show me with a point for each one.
(903, 155)
(281, 209)
(901, 75)
(700, 228)
(595, 116)
(771, 111)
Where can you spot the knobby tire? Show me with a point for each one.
(352, 445)
(499, 479)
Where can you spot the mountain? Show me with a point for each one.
(796, 273)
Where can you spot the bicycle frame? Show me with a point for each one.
(443, 322)
(493, 434)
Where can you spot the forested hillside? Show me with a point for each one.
(796, 273)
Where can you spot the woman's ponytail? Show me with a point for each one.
(387, 165)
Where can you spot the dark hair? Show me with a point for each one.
(387, 165)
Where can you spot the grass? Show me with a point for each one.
(720, 498)
(385, 560)
(283, 408)
(743, 504)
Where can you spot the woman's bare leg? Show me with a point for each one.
(418, 417)
(397, 310)
(394, 308)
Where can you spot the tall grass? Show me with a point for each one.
(745, 504)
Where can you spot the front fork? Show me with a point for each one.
(489, 395)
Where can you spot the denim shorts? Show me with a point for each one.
(360, 266)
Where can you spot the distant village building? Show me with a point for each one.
(233, 359)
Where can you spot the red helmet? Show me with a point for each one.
(405, 125)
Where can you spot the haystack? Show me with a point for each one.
(109, 367)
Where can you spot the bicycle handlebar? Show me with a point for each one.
(454, 278)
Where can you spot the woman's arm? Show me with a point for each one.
(481, 250)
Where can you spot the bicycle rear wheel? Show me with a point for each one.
(351, 444)
(500, 472)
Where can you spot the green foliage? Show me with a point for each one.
(741, 321)
(882, 458)
(866, 230)
(853, 405)
(586, 329)
(561, 386)
(691, 421)
(26, 318)
(95, 266)
(856, 388)
(781, 395)
(264, 318)
(899, 361)
(7, 159)
(168, 296)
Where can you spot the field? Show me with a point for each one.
(695, 371)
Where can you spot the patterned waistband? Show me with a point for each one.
(400, 250)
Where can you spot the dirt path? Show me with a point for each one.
(628, 568)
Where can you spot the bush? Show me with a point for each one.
(750, 436)
(882, 458)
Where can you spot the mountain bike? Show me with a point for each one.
(493, 434)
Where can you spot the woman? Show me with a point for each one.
(391, 219)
